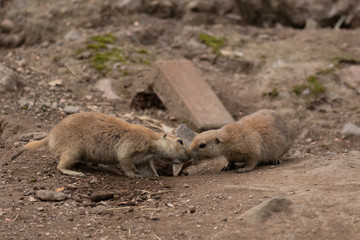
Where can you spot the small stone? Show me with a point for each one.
(40, 209)
(350, 129)
(51, 196)
(170, 205)
(7, 25)
(265, 210)
(32, 199)
(25, 104)
(101, 196)
(94, 180)
(9, 80)
(72, 35)
(56, 82)
(39, 135)
(186, 185)
(192, 209)
(84, 55)
(45, 44)
(87, 235)
(26, 137)
(154, 218)
(104, 85)
(71, 109)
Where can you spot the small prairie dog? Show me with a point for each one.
(98, 138)
(264, 136)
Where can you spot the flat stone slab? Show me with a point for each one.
(185, 93)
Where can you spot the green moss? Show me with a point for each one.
(313, 84)
(96, 46)
(56, 59)
(145, 61)
(106, 38)
(315, 87)
(80, 50)
(213, 42)
(33, 180)
(327, 71)
(298, 89)
(102, 61)
(143, 51)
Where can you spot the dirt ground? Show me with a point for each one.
(256, 68)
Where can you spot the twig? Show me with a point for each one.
(157, 237)
(15, 218)
(340, 22)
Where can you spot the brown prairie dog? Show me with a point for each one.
(98, 138)
(261, 137)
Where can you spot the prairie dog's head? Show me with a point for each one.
(206, 145)
(170, 146)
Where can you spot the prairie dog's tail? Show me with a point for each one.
(31, 146)
(37, 144)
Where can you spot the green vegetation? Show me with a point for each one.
(274, 93)
(106, 38)
(96, 46)
(313, 85)
(33, 180)
(143, 51)
(213, 42)
(101, 61)
(327, 71)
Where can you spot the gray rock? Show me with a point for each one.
(26, 104)
(72, 35)
(101, 196)
(105, 86)
(351, 129)
(71, 109)
(186, 133)
(51, 196)
(265, 210)
(9, 80)
(154, 218)
(39, 135)
(84, 55)
(26, 137)
(7, 25)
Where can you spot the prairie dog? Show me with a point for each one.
(261, 137)
(98, 138)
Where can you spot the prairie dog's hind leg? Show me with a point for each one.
(151, 163)
(231, 166)
(127, 166)
(67, 160)
(250, 164)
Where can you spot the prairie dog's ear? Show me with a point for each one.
(218, 140)
(165, 135)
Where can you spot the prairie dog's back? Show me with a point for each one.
(274, 133)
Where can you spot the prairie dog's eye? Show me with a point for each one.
(202, 145)
(180, 141)
(165, 135)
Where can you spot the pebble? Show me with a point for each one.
(40, 209)
(84, 55)
(32, 199)
(170, 205)
(7, 25)
(351, 129)
(72, 35)
(26, 137)
(39, 135)
(154, 218)
(192, 209)
(71, 109)
(9, 80)
(51, 196)
(94, 180)
(101, 196)
(186, 185)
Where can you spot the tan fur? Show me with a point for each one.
(98, 138)
(261, 137)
